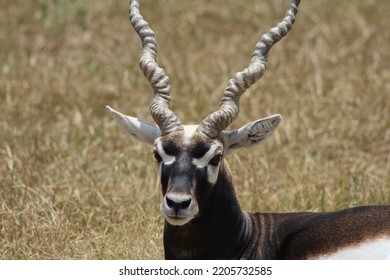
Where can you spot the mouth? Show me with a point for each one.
(178, 217)
(177, 220)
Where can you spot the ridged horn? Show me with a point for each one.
(229, 107)
(159, 107)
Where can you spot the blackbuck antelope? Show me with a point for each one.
(203, 217)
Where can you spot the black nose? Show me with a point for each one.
(178, 202)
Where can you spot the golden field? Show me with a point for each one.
(73, 185)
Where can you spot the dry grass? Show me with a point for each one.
(74, 186)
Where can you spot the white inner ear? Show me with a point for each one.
(141, 130)
(251, 134)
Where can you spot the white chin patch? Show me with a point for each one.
(180, 218)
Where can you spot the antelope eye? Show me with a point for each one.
(215, 160)
(157, 157)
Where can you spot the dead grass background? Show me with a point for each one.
(74, 186)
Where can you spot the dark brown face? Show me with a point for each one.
(189, 165)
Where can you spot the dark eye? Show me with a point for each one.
(215, 160)
(157, 157)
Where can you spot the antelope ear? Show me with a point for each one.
(251, 134)
(141, 130)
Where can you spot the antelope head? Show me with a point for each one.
(190, 158)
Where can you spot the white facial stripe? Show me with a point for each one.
(212, 171)
(212, 174)
(167, 159)
(204, 160)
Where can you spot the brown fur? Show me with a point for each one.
(308, 235)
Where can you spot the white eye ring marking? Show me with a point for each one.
(166, 159)
(205, 159)
(212, 170)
